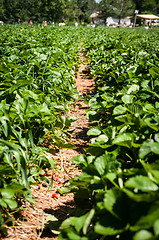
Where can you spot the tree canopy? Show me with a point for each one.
(71, 10)
(46, 10)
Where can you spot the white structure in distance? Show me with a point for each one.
(115, 22)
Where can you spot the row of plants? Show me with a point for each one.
(117, 193)
(37, 85)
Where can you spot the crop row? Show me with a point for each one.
(118, 190)
(36, 88)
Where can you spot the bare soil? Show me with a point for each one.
(29, 225)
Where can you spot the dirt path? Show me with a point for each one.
(29, 227)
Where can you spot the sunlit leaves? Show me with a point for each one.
(37, 88)
(123, 176)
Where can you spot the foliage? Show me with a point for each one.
(118, 190)
(106, 9)
(147, 6)
(117, 8)
(38, 11)
(71, 10)
(123, 8)
(36, 88)
(117, 194)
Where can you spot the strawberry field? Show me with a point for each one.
(37, 86)
(117, 194)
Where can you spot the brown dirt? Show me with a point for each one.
(29, 226)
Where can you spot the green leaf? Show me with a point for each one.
(119, 110)
(145, 84)
(106, 163)
(94, 132)
(24, 169)
(59, 108)
(34, 170)
(110, 199)
(10, 145)
(149, 108)
(68, 146)
(128, 99)
(156, 227)
(131, 71)
(77, 222)
(133, 88)
(74, 236)
(143, 235)
(141, 197)
(11, 203)
(51, 218)
(101, 164)
(142, 183)
(111, 177)
(4, 120)
(107, 231)
(93, 103)
(3, 203)
(88, 221)
(79, 159)
(69, 120)
(124, 139)
(157, 137)
(66, 223)
(7, 193)
(155, 147)
(157, 105)
(135, 109)
(147, 221)
(102, 138)
(147, 147)
(154, 71)
(156, 83)
(153, 174)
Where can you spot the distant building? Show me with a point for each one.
(150, 19)
(114, 21)
(94, 17)
(110, 21)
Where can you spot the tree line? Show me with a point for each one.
(71, 10)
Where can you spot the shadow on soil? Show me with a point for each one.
(61, 213)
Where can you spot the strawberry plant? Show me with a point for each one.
(118, 190)
(36, 88)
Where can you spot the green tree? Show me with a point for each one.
(83, 6)
(14, 9)
(79, 10)
(147, 6)
(123, 8)
(138, 5)
(116, 8)
(106, 8)
(33, 10)
(92, 6)
(72, 10)
(2, 10)
(51, 9)
(11, 11)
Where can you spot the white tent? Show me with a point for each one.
(114, 21)
(147, 16)
(110, 20)
(94, 15)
